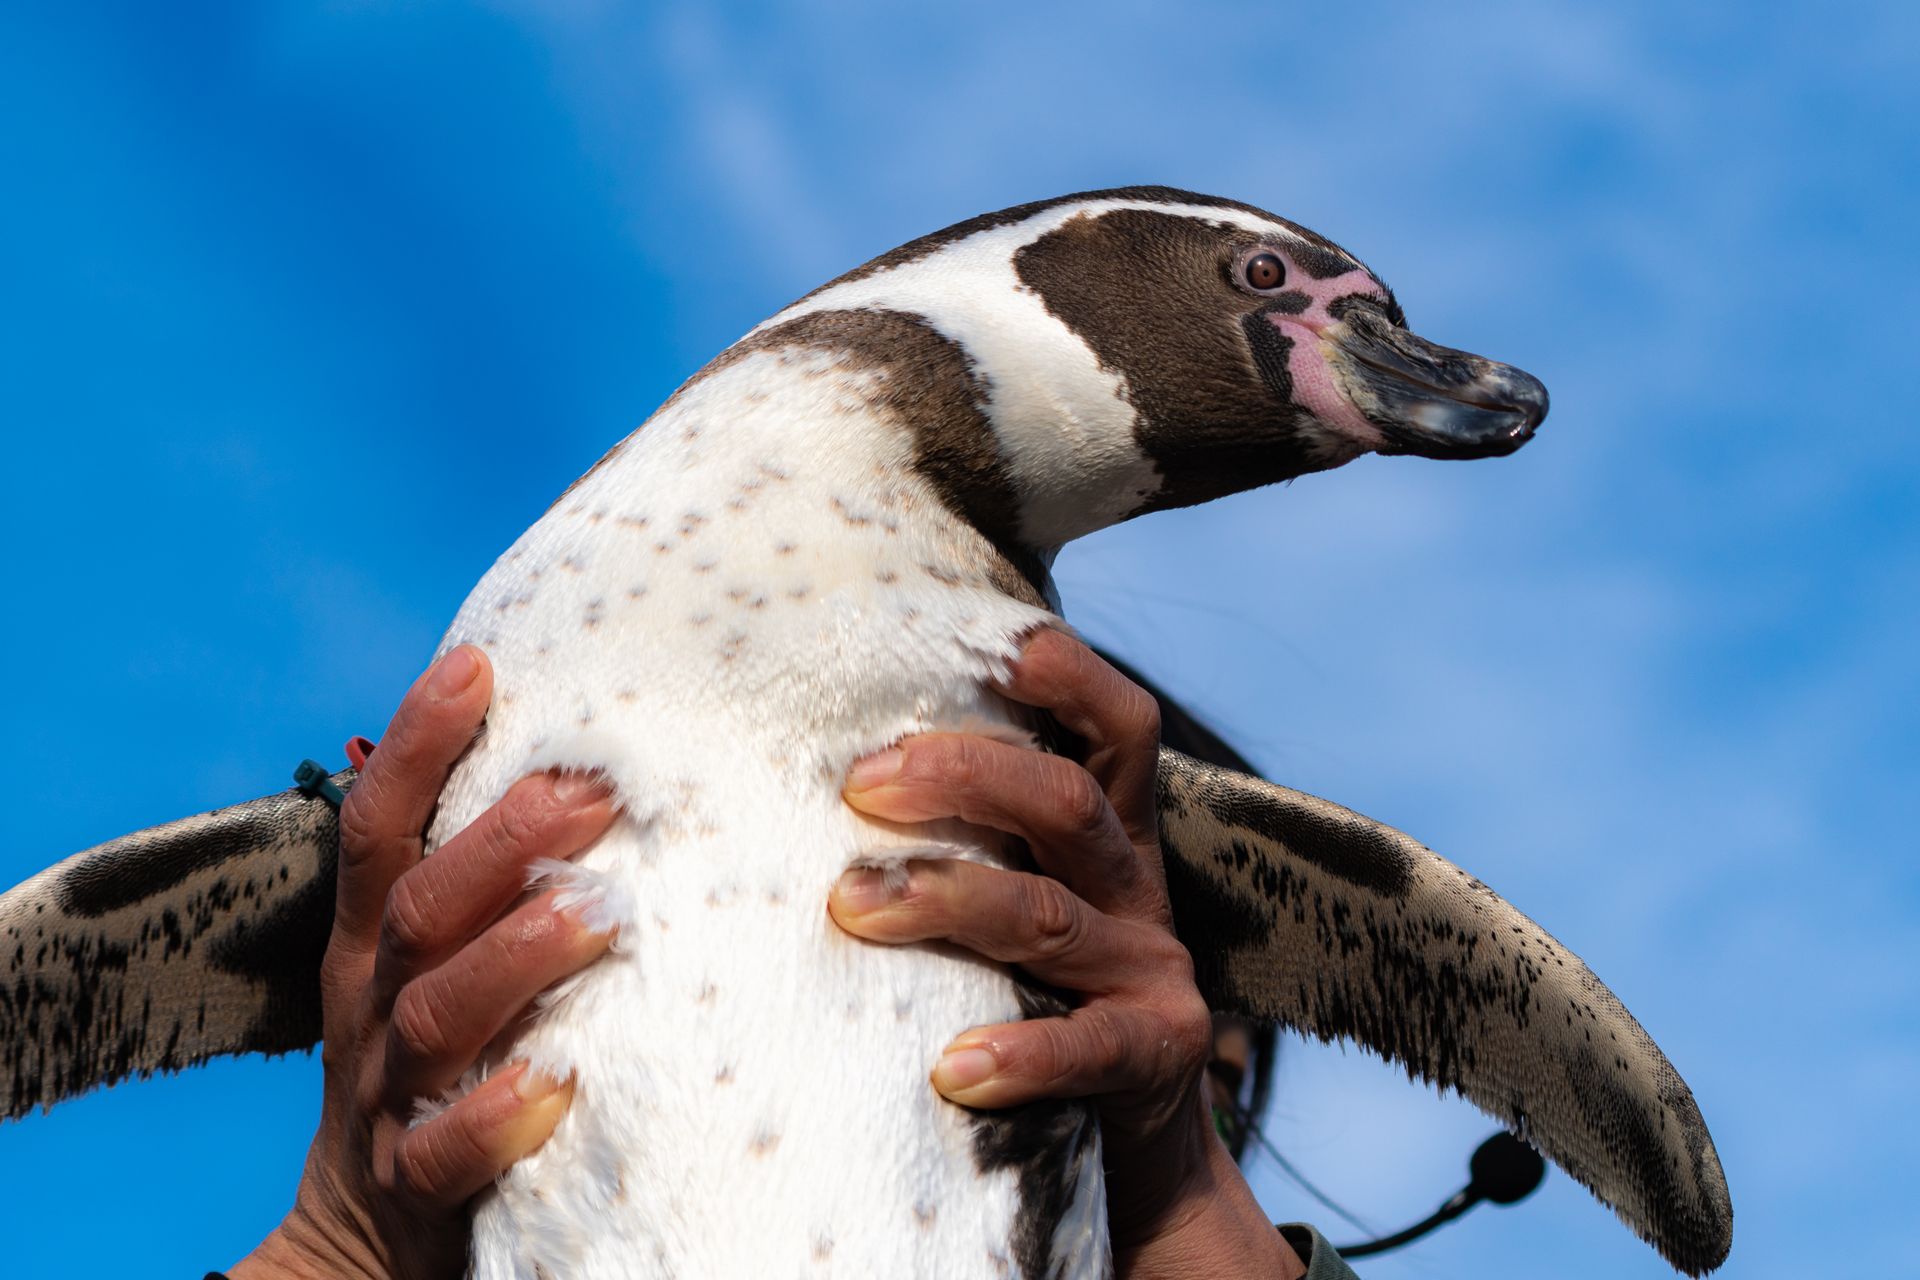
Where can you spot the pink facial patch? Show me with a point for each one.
(1314, 386)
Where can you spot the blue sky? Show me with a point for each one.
(306, 310)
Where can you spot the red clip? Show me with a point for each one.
(358, 749)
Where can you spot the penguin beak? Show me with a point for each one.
(1428, 399)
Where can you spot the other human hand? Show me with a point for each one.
(1098, 924)
(429, 960)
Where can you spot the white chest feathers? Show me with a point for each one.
(721, 618)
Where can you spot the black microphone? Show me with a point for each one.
(1504, 1170)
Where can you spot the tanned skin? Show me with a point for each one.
(431, 958)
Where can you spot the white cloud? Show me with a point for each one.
(1636, 676)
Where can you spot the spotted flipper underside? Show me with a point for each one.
(167, 947)
(203, 937)
(1301, 911)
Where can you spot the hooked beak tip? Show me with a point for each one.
(1436, 402)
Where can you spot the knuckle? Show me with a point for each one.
(1168, 959)
(1047, 1052)
(1190, 1029)
(359, 822)
(518, 824)
(343, 974)
(1054, 922)
(1104, 1046)
(1138, 716)
(1079, 804)
(368, 1089)
(419, 1025)
(406, 929)
(410, 1173)
(421, 1161)
(336, 1056)
(959, 765)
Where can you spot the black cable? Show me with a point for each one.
(1446, 1213)
(1503, 1170)
(1251, 1126)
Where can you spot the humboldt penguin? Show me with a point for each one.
(834, 535)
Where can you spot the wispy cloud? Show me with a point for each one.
(1651, 677)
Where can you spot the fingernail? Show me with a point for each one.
(588, 915)
(453, 673)
(578, 788)
(535, 1085)
(861, 890)
(963, 1069)
(875, 770)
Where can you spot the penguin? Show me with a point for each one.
(834, 535)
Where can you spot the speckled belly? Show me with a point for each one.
(720, 624)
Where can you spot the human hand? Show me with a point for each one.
(1098, 924)
(428, 961)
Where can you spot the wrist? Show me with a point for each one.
(281, 1257)
(1211, 1226)
(304, 1248)
(1150, 1184)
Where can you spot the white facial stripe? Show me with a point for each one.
(1056, 413)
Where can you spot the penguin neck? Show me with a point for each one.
(779, 478)
(763, 554)
(872, 412)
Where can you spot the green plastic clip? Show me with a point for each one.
(312, 779)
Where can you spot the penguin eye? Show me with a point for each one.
(1264, 271)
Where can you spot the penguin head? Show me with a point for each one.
(1144, 348)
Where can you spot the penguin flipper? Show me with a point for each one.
(160, 949)
(163, 948)
(1300, 911)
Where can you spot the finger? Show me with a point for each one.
(1101, 1050)
(445, 1161)
(437, 907)
(1052, 802)
(1117, 719)
(443, 1019)
(385, 815)
(1010, 916)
